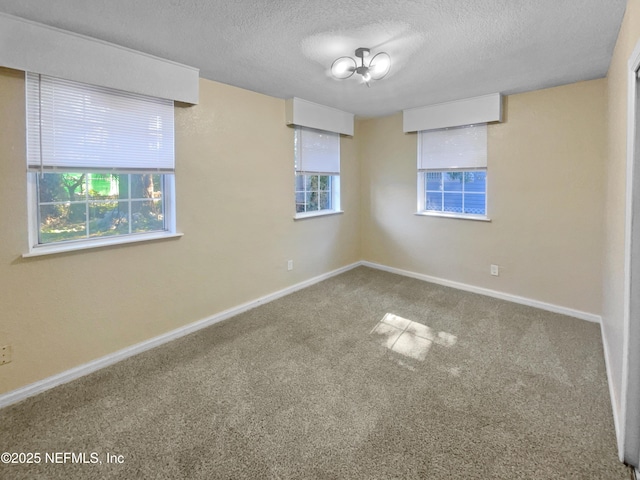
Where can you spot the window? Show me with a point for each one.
(456, 191)
(452, 172)
(314, 192)
(76, 206)
(100, 165)
(317, 167)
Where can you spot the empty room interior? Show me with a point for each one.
(321, 240)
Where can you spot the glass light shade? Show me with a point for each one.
(380, 65)
(343, 67)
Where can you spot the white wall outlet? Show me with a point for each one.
(495, 270)
(5, 354)
(290, 265)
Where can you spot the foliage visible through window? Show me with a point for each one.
(75, 206)
(459, 191)
(313, 192)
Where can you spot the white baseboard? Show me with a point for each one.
(19, 394)
(590, 317)
(82, 370)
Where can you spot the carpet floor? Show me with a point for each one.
(367, 375)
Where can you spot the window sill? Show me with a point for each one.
(320, 213)
(97, 243)
(479, 218)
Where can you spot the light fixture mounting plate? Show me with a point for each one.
(362, 52)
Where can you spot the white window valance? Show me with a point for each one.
(34, 47)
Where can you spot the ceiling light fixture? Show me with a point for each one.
(344, 67)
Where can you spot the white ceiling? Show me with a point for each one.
(440, 50)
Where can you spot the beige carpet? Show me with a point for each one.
(324, 384)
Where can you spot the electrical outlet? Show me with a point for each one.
(495, 270)
(5, 354)
(290, 265)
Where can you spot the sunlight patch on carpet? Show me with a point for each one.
(409, 338)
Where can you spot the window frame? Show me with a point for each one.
(334, 191)
(423, 170)
(422, 196)
(35, 248)
(334, 179)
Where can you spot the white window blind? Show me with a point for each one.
(317, 151)
(74, 127)
(460, 147)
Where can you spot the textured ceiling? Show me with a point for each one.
(440, 49)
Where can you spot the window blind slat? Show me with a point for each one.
(317, 151)
(460, 147)
(72, 125)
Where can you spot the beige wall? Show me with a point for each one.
(545, 191)
(615, 203)
(234, 182)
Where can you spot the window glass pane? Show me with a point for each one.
(453, 202)
(311, 182)
(474, 203)
(325, 201)
(52, 188)
(312, 201)
(61, 187)
(313, 192)
(475, 181)
(108, 218)
(147, 216)
(144, 186)
(452, 181)
(158, 184)
(434, 201)
(123, 185)
(102, 186)
(464, 191)
(62, 221)
(106, 199)
(324, 183)
(434, 180)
